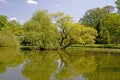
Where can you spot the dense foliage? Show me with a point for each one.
(7, 39)
(106, 22)
(40, 31)
(71, 32)
(9, 32)
(53, 31)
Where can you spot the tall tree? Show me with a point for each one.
(40, 31)
(15, 28)
(118, 5)
(95, 18)
(113, 25)
(7, 38)
(72, 32)
(64, 23)
(108, 9)
(103, 36)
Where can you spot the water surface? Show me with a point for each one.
(73, 64)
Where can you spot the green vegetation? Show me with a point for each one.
(113, 46)
(10, 32)
(42, 32)
(106, 22)
(9, 57)
(71, 32)
(7, 39)
(58, 30)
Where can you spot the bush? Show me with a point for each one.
(7, 39)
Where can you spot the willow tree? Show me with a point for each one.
(40, 31)
(72, 32)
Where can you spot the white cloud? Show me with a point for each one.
(57, 5)
(22, 21)
(31, 2)
(4, 1)
(13, 18)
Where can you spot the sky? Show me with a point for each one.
(22, 10)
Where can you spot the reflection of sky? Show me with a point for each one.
(80, 78)
(60, 67)
(13, 73)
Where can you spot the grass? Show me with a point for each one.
(113, 46)
(105, 47)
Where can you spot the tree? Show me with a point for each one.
(83, 34)
(7, 39)
(72, 32)
(104, 36)
(118, 5)
(108, 9)
(40, 31)
(95, 18)
(16, 28)
(112, 23)
(64, 23)
(3, 21)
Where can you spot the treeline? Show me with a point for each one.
(58, 30)
(106, 21)
(10, 32)
(47, 31)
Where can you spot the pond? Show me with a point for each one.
(72, 64)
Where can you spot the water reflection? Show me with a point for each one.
(11, 64)
(13, 73)
(60, 65)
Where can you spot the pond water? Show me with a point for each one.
(72, 64)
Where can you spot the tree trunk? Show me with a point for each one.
(64, 47)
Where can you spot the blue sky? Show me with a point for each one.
(22, 10)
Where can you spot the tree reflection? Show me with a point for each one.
(63, 65)
(108, 67)
(58, 65)
(77, 64)
(9, 57)
(41, 66)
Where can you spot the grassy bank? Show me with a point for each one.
(112, 46)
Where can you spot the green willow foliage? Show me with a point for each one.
(40, 31)
(71, 32)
